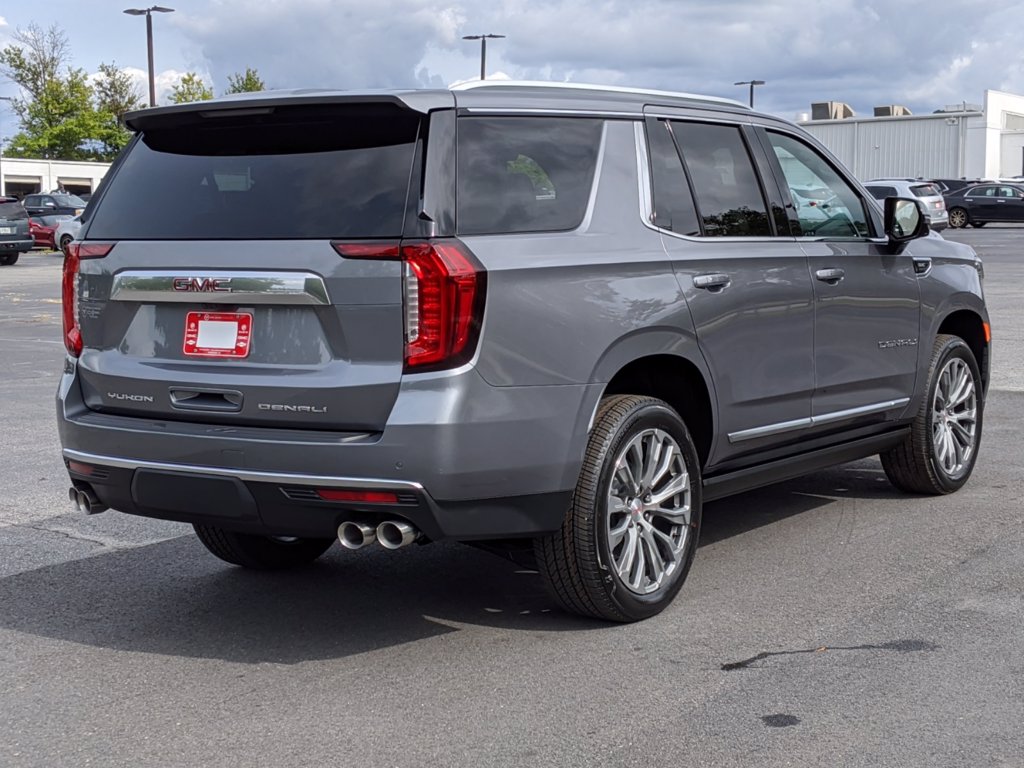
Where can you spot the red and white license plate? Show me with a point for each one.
(217, 334)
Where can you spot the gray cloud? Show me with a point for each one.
(865, 52)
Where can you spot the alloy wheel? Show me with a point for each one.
(957, 218)
(648, 511)
(954, 418)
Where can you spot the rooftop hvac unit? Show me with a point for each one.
(831, 110)
(892, 110)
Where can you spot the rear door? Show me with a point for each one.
(223, 298)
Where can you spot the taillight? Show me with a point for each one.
(75, 253)
(444, 289)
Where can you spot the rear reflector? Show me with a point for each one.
(365, 497)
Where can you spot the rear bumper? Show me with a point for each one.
(19, 246)
(467, 461)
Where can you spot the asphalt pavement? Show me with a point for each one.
(828, 621)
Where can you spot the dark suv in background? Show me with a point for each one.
(15, 238)
(554, 319)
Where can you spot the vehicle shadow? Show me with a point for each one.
(172, 598)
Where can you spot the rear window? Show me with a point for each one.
(12, 211)
(295, 173)
(925, 190)
(525, 174)
(69, 201)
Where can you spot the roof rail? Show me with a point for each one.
(474, 84)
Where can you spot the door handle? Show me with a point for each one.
(712, 283)
(831, 276)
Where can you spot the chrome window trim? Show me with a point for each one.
(245, 475)
(550, 111)
(247, 287)
(814, 421)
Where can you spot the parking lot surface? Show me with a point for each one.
(828, 621)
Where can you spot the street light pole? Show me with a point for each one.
(751, 83)
(148, 13)
(2, 193)
(483, 50)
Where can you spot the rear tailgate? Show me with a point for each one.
(222, 299)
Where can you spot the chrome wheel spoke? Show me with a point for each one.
(648, 511)
(954, 417)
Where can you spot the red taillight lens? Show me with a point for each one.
(444, 298)
(69, 290)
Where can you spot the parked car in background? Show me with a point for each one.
(48, 205)
(927, 194)
(947, 186)
(67, 231)
(979, 205)
(42, 233)
(15, 238)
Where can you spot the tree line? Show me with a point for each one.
(66, 114)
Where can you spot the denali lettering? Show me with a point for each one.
(131, 398)
(292, 408)
(202, 284)
(897, 343)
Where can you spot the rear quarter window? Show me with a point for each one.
(525, 174)
(925, 190)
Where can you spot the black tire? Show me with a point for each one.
(8, 259)
(978, 224)
(958, 218)
(264, 553)
(916, 464)
(65, 242)
(578, 563)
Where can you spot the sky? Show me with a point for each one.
(923, 54)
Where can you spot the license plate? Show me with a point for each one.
(6, 230)
(217, 334)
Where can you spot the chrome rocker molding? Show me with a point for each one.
(246, 475)
(238, 287)
(814, 421)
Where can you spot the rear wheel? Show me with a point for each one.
(630, 535)
(260, 552)
(939, 454)
(65, 241)
(8, 258)
(978, 224)
(958, 218)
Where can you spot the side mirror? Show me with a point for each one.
(904, 220)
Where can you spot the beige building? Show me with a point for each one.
(20, 177)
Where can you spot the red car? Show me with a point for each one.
(42, 233)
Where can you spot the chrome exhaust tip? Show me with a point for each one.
(354, 535)
(395, 534)
(85, 501)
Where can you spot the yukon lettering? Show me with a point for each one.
(130, 398)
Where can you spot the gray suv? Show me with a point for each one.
(551, 321)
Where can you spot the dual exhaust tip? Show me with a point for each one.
(85, 501)
(392, 534)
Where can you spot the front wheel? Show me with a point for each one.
(958, 218)
(939, 454)
(262, 553)
(630, 534)
(65, 241)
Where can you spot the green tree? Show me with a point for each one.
(56, 113)
(249, 82)
(190, 88)
(115, 94)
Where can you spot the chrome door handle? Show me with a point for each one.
(712, 283)
(831, 276)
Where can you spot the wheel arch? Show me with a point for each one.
(971, 327)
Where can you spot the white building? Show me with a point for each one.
(20, 177)
(973, 143)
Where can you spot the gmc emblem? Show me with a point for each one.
(202, 284)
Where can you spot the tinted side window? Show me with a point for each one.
(524, 174)
(880, 193)
(842, 214)
(673, 203)
(728, 194)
